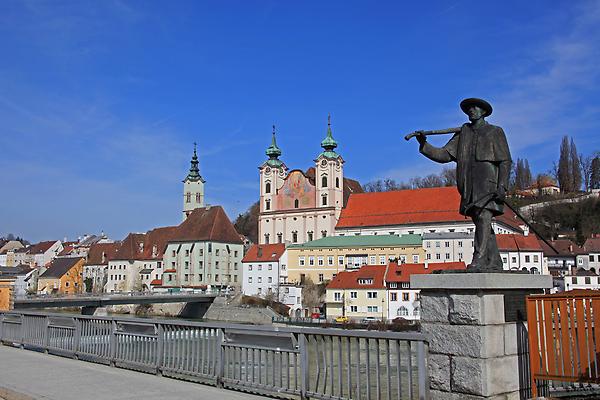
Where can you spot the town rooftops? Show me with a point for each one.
(264, 253)
(402, 272)
(21, 269)
(409, 207)
(563, 247)
(513, 242)
(592, 245)
(60, 266)
(102, 253)
(367, 277)
(362, 241)
(207, 224)
(41, 247)
(131, 248)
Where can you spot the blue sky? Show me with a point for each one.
(100, 101)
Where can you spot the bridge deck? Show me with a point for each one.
(108, 300)
(30, 375)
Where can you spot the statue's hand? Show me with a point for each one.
(421, 138)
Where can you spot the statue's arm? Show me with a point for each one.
(504, 165)
(440, 154)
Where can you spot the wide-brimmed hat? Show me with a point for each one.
(484, 105)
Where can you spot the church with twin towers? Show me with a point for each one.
(299, 206)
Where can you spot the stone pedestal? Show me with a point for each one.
(473, 345)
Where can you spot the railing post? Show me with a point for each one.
(160, 348)
(76, 337)
(113, 342)
(422, 371)
(22, 332)
(220, 359)
(1, 323)
(303, 348)
(47, 335)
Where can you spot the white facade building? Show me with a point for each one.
(522, 253)
(264, 269)
(448, 247)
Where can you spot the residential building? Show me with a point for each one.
(322, 259)
(95, 268)
(545, 186)
(7, 253)
(448, 247)
(358, 294)
(589, 254)
(522, 253)
(561, 255)
(290, 294)
(296, 206)
(414, 211)
(193, 188)
(582, 279)
(379, 291)
(402, 300)
(64, 276)
(42, 253)
(26, 278)
(205, 249)
(264, 267)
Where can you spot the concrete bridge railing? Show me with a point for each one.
(283, 361)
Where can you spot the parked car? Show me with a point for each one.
(342, 320)
(368, 320)
(316, 315)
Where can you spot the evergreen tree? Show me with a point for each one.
(595, 173)
(565, 180)
(575, 167)
(527, 178)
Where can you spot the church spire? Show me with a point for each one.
(194, 174)
(329, 143)
(273, 152)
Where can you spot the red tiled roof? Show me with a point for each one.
(592, 245)
(156, 282)
(207, 224)
(413, 206)
(564, 247)
(41, 247)
(109, 250)
(349, 279)
(155, 242)
(264, 252)
(518, 242)
(130, 248)
(402, 272)
(66, 250)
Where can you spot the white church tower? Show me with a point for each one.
(329, 175)
(193, 188)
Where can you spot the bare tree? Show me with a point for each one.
(586, 170)
(575, 167)
(448, 175)
(595, 173)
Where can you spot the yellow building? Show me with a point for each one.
(358, 294)
(7, 286)
(321, 260)
(65, 276)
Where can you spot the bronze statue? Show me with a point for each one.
(482, 171)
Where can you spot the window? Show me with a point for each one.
(310, 236)
(337, 182)
(174, 254)
(372, 260)
(405, 296)
(186, 277)
(428, 256)
(249, 279)
(591, 258)
(447, 244)
(403, 311)
(323, 233)
(324, 200)
(353, 295)
(337, 296)
(437, 244)
(371, 308)
(320, 261)
(187, 253)
(188, 197)
(249, 267)
(353, 308)
(514, 260)
(216, 252)
(371, 295)
(268, 187)
(580, 261)
(324, 181)
(216, 265)
(416, 312)
(428, 244)
(574, 280)
(267, 205)
(296, 203)
(460, 243)
(266, 238)
(536, 258)
(301, 261)
(588, 280)
(330, 260)
(260, 267)
(438, 257)
(527, 259)
(311, 260)
(393, 296)
(187, 264)
(295, 237)
(321, 278)
(210, 247)
(270, 280)
(260, 279)
(382, 260)
(447, 256)
(460, 256)
(415, 258)
(340, 260)
(279, 238)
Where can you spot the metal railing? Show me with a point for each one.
(292, 362)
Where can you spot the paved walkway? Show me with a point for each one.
(27, 375)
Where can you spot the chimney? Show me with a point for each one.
(260, 253)
(426, 264)
(570, 247)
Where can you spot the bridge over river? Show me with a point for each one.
(197, 302)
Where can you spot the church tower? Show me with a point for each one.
(272, 175)
(329, 174)
(193, 188)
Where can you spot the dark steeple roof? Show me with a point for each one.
(194, 174)
(273, 152)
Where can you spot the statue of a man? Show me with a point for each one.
(482, 171)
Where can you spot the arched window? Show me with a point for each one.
(296, 203)
(337, 182)
(268, 187)
(416, 311)
(188, 197)
(266, 238)
(198, 196)
(324, 200)
(310, 236)
(267, 204)
(534, 270)
(324, 181)
(403, 311)
(295, 237)
(280, 238)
